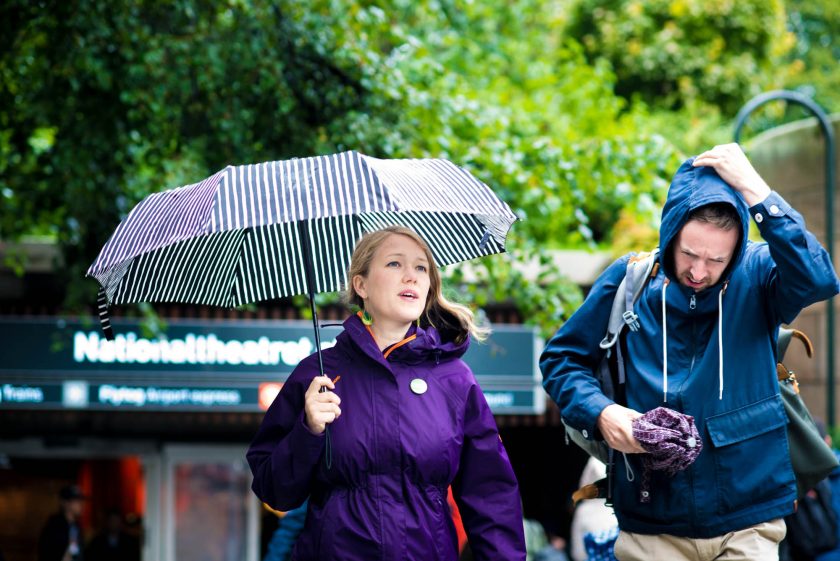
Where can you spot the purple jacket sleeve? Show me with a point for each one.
(285, 454)
(486, 489)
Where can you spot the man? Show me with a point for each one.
(61, 537)
(113, 543)
(709, 319)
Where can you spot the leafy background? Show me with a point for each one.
(575, 111)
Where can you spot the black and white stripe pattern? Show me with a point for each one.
(233, 238)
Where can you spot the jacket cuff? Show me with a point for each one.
(769, 210)
(307, 445)
(587, 422)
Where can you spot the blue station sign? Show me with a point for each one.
(213, 364)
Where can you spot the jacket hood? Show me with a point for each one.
(691, 188)
(425, 343)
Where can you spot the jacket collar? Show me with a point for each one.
(419, 344)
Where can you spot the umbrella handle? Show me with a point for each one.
(309, 270)
(327, 439)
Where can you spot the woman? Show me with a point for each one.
(407, 420)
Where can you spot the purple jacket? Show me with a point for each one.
(394, 453)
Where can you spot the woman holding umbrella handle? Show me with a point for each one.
(407, 422)
(322, 407)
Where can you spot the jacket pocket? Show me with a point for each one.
(752, 463)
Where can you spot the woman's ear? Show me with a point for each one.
(359, 286)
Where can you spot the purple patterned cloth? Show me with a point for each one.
(672, 442)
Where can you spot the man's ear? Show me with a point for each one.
(359, 286)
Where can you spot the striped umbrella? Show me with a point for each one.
(264, 231)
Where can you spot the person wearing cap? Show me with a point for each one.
(708, 319)
(61, 536)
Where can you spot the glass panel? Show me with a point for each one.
(210, 511)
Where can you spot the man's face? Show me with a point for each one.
(74, 508)
(702, 251)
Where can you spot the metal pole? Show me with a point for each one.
(309, 270)
(828, 132)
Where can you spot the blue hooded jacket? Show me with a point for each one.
(717, 346)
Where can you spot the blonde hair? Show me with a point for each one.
(440, 313)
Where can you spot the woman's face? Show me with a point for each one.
(396, 287)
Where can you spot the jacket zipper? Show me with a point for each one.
(692, 304)
(689, 474)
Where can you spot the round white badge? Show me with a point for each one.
(419, 386)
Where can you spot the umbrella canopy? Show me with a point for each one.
(264, 231)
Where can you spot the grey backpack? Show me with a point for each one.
(610, 371)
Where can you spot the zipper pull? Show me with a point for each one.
(692, 303)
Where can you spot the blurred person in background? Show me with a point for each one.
(61, 537)
(591, 516)
(834, 483)
(289, 525)
(113, 543)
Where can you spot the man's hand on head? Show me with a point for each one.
(732, 165)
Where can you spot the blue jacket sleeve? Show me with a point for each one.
(486, 489)
(284, 454)
(284, 538)
(801, 272)
(570, 358)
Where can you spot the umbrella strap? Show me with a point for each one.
(327, 447)
(104, 318)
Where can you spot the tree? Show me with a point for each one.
(673, 52)
(103, 104)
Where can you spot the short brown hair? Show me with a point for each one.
(722, 215)
(440, 312)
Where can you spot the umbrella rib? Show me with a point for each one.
(206, 257)
(296, 186)
(231, 243)
(359, 187)
(270, 237)
(266, 269)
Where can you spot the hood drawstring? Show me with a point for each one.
(665, 284)
(720, 338)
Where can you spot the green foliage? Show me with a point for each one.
(104, 103)
(101, 104)
(816, 53)
(498, 89)
(672, 52)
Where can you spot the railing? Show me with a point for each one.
(828, 133)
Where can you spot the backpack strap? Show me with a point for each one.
(640, 268)
(783, 340)
(783, 373)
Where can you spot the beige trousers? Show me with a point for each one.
(756, 543)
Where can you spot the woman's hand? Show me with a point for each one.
(616, 425)
(320, 408)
